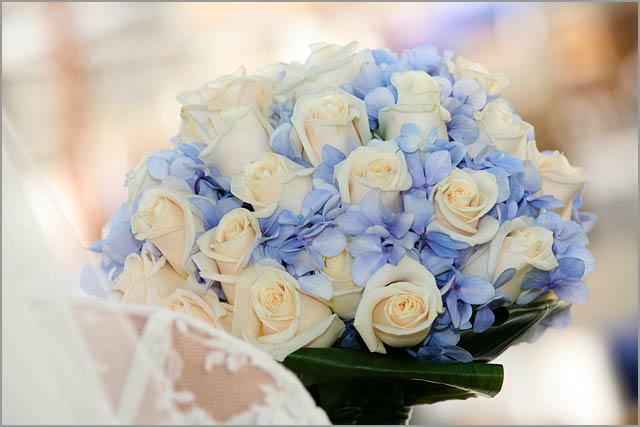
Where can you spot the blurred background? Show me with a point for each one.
(89, 88)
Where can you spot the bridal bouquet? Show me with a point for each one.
(362, 199)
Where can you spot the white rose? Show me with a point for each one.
(346, 294)
(398, 306)
(138, 178)
(492, 83)
(165, 217)
(201, 305)
(231, 135)
(380, 166)
(461, 202)
(328, 65)
(518, 244)
(232, 90)
(230, 245)
(330, 116)
(271, 312)
(146, 280)
(502, 129)
(418, 103)
(272, 181)
(558, 177)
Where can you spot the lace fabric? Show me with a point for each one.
(73, 360)
(182, 366)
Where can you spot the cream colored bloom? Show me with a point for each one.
(418, 103)
(232, 135)
(271, 312)
(272, 181)
(232, 90)
(165, 217)
(146, 280)
(138, 179)
(230, 245)
(518, 244)
(461, 203)
(380, 165)
(398, 306)
(503, 129)
(204, 306)
(330, 116)
(492, 83)
(558, 177)
(328, 65)
(346, 294)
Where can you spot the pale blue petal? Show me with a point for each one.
(531, 178)
(443, 245)
(463, 129)
(535, 279)
(369, 78)
(572, 291)
(365, 265)
(384, 56)
(506, 161)
(373, 207)
(364, 244)
(352, 223)
(331, 155)
(503, 183)
(401, 224)
(474, 290)
(469, 91)
(484, 320)
(504, 277)
(569, 268)
(424, 57)
(329, 243)
(422, 209)
(377, 99)
(158, 168)
(314, 201)
(206, 211)
(317, 285)
(281, 143)
(437, 166)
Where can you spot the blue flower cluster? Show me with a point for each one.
(446, 175)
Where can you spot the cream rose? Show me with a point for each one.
(201, 305)
(138, 178)
(418, 103)
(146, 280)
(398, 306)
(558, 177)
(165, 217)
(380, 165)
(272, 181)
(461, 202)
(231, 135)
(518, 244)
(229, 245)
(346, 294)
(492, 83)
(232, 90)
(503, 129)
(330, 116)
(328, 65)
(271, 312)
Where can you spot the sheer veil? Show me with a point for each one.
(75, 360)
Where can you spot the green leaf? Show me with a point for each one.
(365, 388)
(356, 387)
(513, 324)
